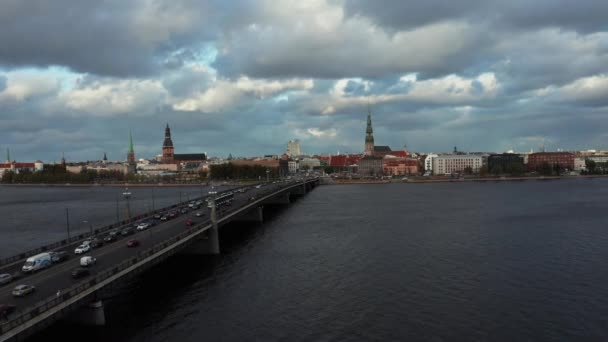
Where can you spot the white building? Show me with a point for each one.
(293, 148)
(456, 163)
(598, 158)
(579, 164)
(293, 166)
(309, 163)
(428, 162)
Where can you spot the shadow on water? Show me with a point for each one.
(148, 297)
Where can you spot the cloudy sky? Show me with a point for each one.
(244, 77)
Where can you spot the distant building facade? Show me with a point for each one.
(393, 166)
(370, 166)
(449, 164)
(505, 163)
(428, 162)
(564, 160)
(169, 156)
(293, 148)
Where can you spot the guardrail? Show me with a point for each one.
(45, 305)
(83, 236)
(73, 291)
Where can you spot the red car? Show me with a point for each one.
(133, 243)
(189, 222)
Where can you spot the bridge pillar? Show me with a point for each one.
(282, 198)
(254, 215)
(299, 190)
(91, 314)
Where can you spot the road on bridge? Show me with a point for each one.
(49, 281)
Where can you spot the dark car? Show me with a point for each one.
(96, 243)
(127, 231)
(109, 238)
(184, 210)
(133, 243)
(61, 256)
(80, 273)
(157, 216)
(189, 222)
(5, 310)
(172, 214)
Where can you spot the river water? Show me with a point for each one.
(504, 261)
(32, 216)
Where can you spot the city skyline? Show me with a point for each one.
(483, 76)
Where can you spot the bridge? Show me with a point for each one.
(58, 295)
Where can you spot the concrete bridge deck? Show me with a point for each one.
(57, 294)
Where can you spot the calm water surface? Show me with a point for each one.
(32, 216)
(511, 261)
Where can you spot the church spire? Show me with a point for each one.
(131, 154)
(130, 143)
(8, 155)
(369, 133)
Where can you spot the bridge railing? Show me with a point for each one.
(66, 294)
(67, 242)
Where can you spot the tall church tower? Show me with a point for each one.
(369, 134)
(131, 165)
(168, 147)
(131, 153)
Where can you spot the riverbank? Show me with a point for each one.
(333, 181)
(122, 185)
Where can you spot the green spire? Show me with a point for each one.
(369, 120)
(130, 143)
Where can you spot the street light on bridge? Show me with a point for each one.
(127, 194)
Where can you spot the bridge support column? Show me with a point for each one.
(299, 190)
(254, 215)
(213, 235)
(91, 314)
(279, 199)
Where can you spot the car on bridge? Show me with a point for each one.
(80, 272)
(189, 222)
(143, 226)
(94, 243)
(87, 260)
(199, 214)
(5, 278)
(132, 243)
(127, 231)
(82, 249)
(157, 216)
(61, 256)
(23, 290)
(5, 310)
(164, 218)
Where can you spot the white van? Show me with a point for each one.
(87, 261)
(37, 262)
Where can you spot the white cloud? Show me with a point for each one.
(22, 86)
(224, 93)
(111, 97)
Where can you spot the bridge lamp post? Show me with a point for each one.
(90, 227)
(267, 175)
(127, 194)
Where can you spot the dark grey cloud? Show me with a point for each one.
(136, 60)
(115, 38)
(581, 16)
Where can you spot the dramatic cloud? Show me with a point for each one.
(244, 77)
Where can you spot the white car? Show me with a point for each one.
(199, 214)
(87, 261)
(82, 249)
(143, 226)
